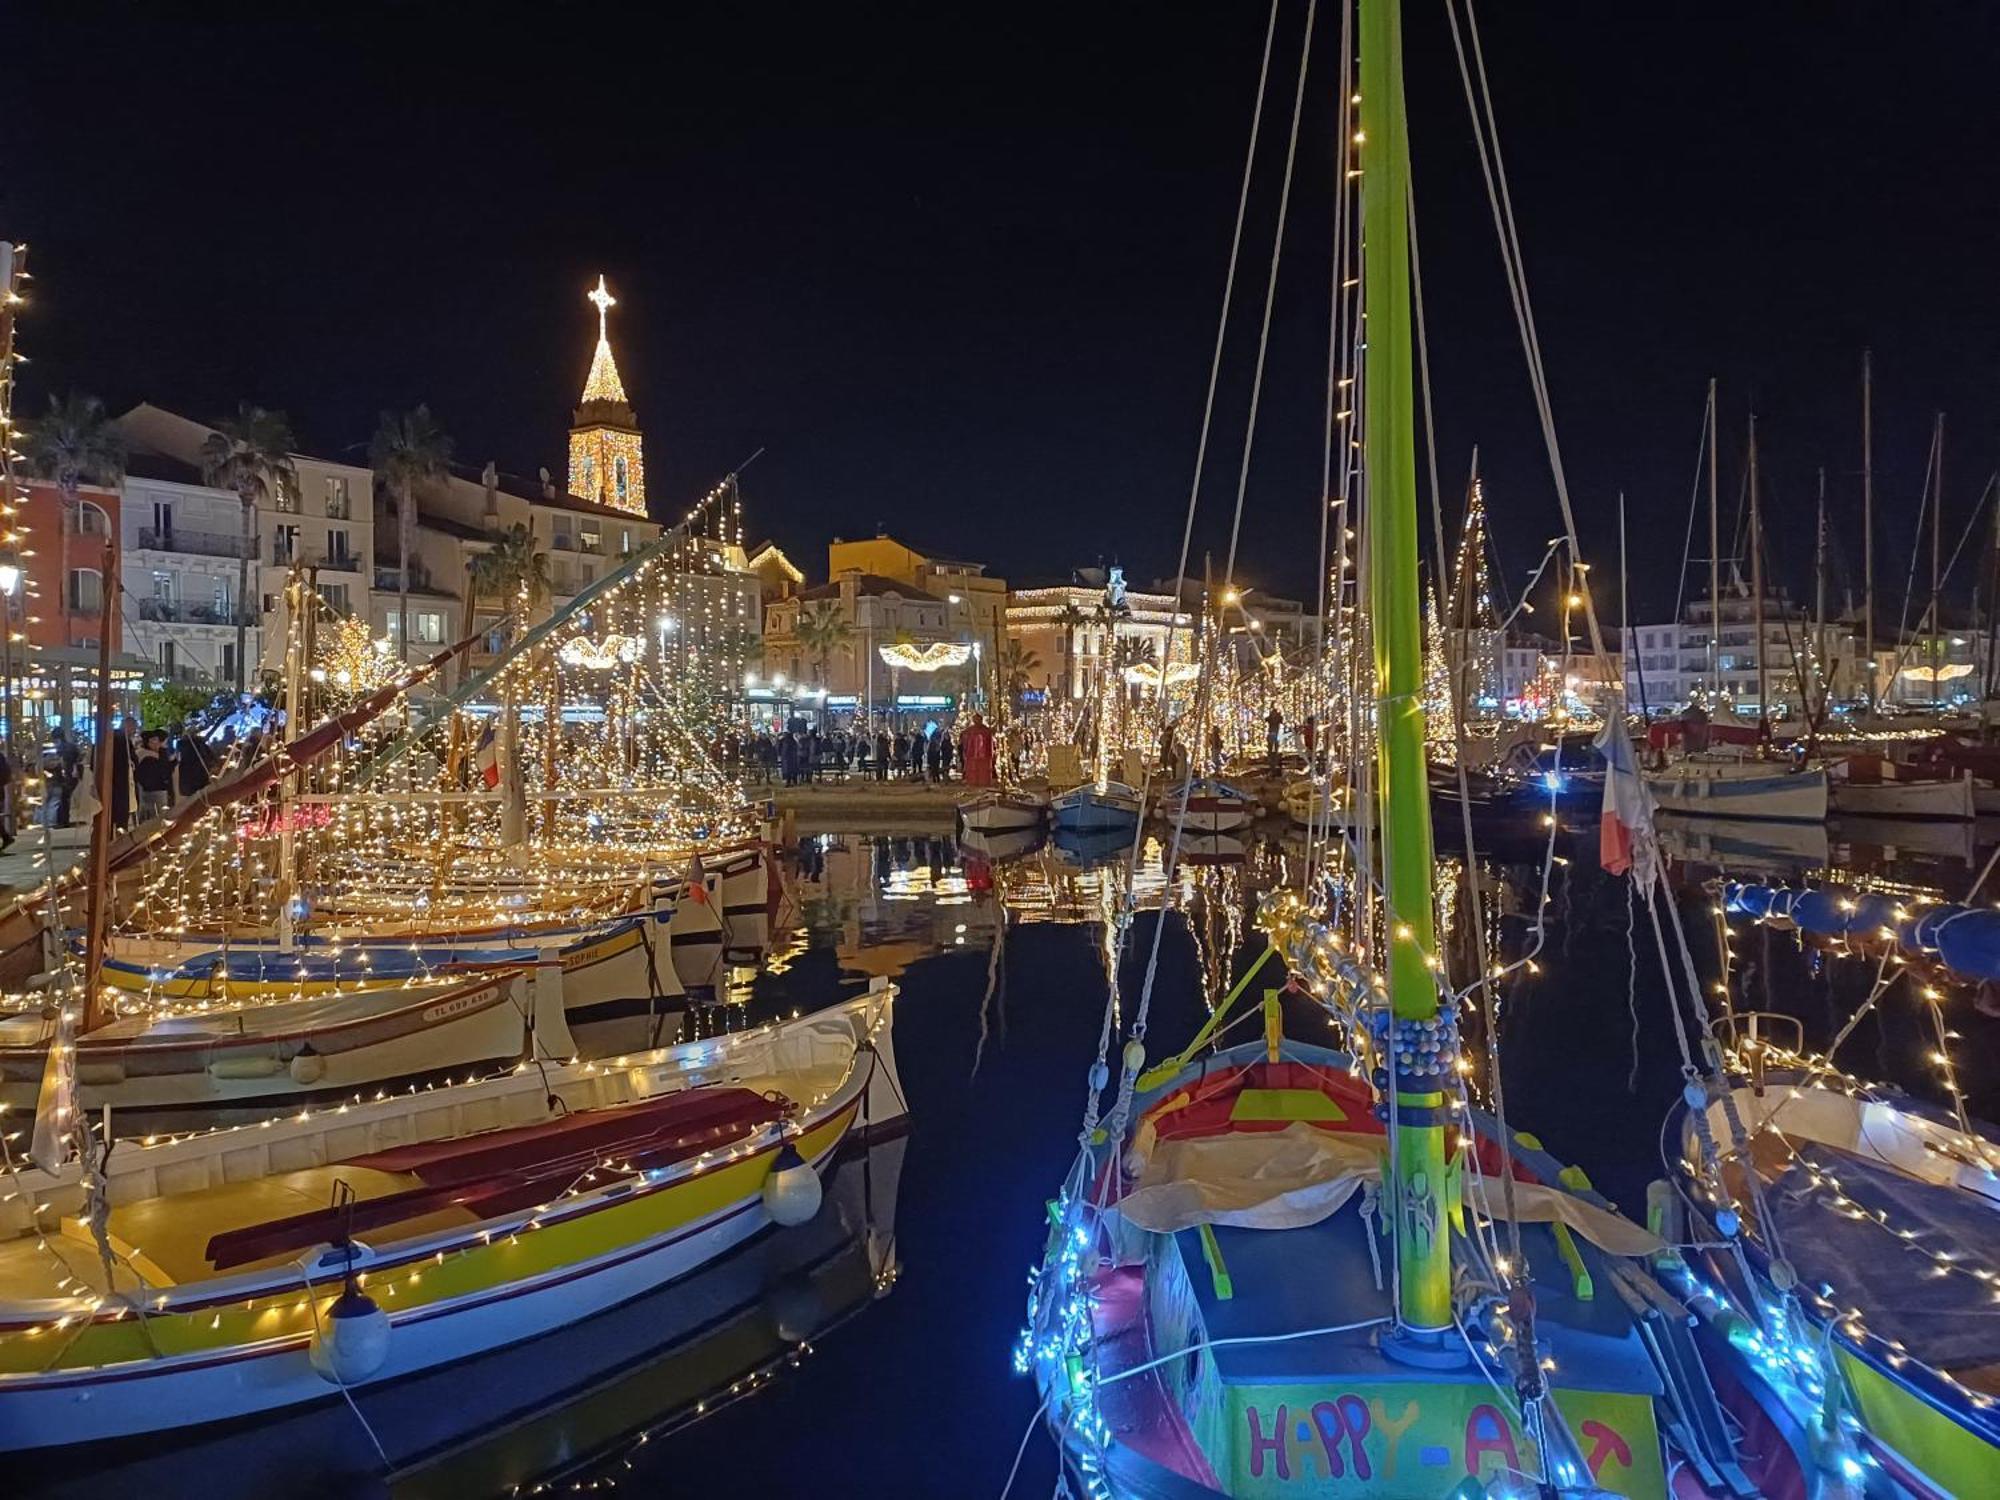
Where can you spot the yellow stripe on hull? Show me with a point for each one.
(508, 1259)
(1954, 1459)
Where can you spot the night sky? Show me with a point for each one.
(955, 269)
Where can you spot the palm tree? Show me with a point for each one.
(74, 445)
(1071, 619)
(512, 566)
(1016, 664)
(252, 455)
(408, 451)
(820, 629)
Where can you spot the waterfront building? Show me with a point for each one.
(181, 546)
(324, 519)
(1093, 621)
(915, 630)
(56, 606)
(1673, 665)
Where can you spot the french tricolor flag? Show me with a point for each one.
(1625, 841)
(486, 758)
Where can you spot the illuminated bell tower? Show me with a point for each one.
(606, 462)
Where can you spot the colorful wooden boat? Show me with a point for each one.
(504, 1422)
(481, 1215)
(1869, 786)
(1094, 808)
(279, 1053)
(1743, 790)
(998, 811)
(1871, 1261)
(1216, 1326)
(1209, 806)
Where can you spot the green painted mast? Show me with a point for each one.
(1402, 785)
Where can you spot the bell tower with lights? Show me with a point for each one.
(606, 458)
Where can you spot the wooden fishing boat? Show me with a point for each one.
(1865, 1235)
(502, 1422)
(1868, 786)
(1324, 802)
(1108, 807)
(1208, 805)
(681, 941)
(999, 811)
(465, 1219)
(1213, 1311)
(329, 1046)
(611, 967)
(1741, 790)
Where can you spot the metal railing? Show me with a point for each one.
(315, 557)
(200, 543)
(175, 612)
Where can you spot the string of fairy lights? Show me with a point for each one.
(580, 771)
(1748, 1058)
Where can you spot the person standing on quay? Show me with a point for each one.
(975, 750)
(881, 754)
(1273, 722)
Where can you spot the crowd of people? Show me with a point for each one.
(929, 752)
(151, 771)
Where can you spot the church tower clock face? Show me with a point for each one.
(607, 463)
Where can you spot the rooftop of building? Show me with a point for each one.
(537, 491)
(872, 585)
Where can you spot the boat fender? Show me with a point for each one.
(792, 1192)
(1728, 1223)
(307, 1066)
(1783, 1276)
(352, 1342)
(245, 1067)
(1135, 1055)
(1696, 1094)
(1100, 1075)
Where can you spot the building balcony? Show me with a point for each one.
(196, 543)
(318, 557)
(586, 545)
(174, 612)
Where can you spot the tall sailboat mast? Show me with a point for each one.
(1714, 564)
(1820, 673)
(1868, 525)
(1937, 554)
(1402, 789)
(1757, 590)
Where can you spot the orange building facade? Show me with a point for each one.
(49, 576)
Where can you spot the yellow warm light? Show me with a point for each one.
(927, 658)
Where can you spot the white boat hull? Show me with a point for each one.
(1938, 801)
(1090, 809)
(1745, 793)
(1003, 812)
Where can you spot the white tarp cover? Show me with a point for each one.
(1286, 1179)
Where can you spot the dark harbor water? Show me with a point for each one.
(867, 1354)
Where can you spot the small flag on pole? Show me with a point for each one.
(1625, 839)
(486, 757)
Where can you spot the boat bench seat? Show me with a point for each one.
(1320, 1276)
